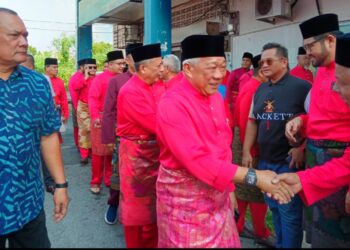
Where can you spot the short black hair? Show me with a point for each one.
(8, 11)
(280, 50)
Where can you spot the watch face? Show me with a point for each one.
(251, 177)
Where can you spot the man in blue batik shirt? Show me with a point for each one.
(28, 125)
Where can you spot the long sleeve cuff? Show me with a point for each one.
(225, 177)
(310, 192)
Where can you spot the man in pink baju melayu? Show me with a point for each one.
(328, 137)
(101, 161)
(196, 174)
(139, 151)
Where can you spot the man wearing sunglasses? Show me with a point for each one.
(81, 89)
(271, 108)
(326, 128)
(101, 153)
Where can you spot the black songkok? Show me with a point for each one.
(146, 52)
(90, 61)
(301, 51)
(247, 55)
(51, 61)
(196, 46)
(114, 55)
(81, 62)
(342, 54)
(319, 25)
(131, 46)
(256, 60)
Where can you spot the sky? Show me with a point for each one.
(48, 19)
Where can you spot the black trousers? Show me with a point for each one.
(32, 235)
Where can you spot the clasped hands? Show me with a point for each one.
(281, 188)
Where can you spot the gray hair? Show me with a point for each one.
(192, 61)
(8, 11)
(138, 64)
(172, 62)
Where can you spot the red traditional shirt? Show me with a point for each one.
(233, 87)
(242, 109)
(329, 116)
(74, 84)
(175, 80)
(302, 73)
(244, 79)
(328, 119)
(83, 89)
(194, 134)
(97, 93)
(60, 95)
(136, 105)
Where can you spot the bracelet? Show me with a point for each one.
(61, 185)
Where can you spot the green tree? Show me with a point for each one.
(32, 50)
(39, 57)
(65, 52)
(99, 51)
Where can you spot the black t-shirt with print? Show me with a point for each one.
(274, 105)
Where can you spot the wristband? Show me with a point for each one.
(61, 185)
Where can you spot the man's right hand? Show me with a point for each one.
(293, 127)
(291, 179)
(279, 191)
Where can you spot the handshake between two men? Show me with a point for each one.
(281, 187)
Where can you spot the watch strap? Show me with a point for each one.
(61, 185)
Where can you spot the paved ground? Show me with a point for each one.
(84, 225)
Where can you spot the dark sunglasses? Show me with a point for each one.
(268, 61)
(92, 67)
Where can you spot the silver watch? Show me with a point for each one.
(251, 178)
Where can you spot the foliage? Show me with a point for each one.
(64, 50)
(99, 51)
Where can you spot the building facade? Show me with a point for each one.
(246, 24)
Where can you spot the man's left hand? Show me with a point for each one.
(61, 201)
(297, 155)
